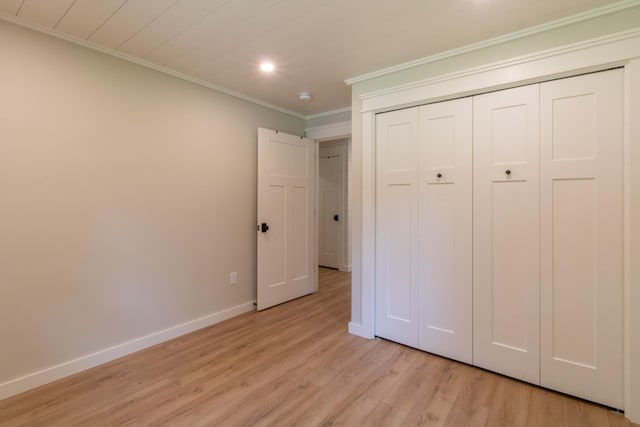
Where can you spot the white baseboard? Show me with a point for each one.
(356, 329)
(36, 379)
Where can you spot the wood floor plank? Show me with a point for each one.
(472, 405)
(583, 414)
(385, 415)
(510, 404)
(294, 364)
(437, 397)
(546, 408)
(415, 383)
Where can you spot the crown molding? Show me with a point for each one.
(328, 113)
(619, 47)
(562, 22)
(129, 58)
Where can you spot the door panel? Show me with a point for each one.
(509, 303)
(301, 229)
(445, 238)
(505, 232)
(277, 253)
(582, 236)
(399, 274)
(331, 220)
(286, 251)
(396, 285)
(573, 239)
(330, 200)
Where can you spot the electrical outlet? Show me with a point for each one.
(233, 278)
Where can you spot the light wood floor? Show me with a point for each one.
(294, 364)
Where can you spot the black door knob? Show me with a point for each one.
(439, 175)
(264, 227)
(508, 171)
(336, 217)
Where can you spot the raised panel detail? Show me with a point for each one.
(441, 133)
(509, 139)
(438, 257)
(330, 205)
(277, 214)
(299, 232)
(574, 127)
(511, 252)
(399, 147)
(288, 160)
(398, 238)
(573, 279)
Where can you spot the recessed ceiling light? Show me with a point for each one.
(267, 66)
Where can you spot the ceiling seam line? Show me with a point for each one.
(214, 38)
(106, 19)
(65, 14)
(155, 49)
(148, 23)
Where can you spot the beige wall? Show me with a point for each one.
(127, 196)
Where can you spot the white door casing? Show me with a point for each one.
(286, 205)
(445, 234)
(396, 284)
(505, 232)
(330, 206)
(581, 193)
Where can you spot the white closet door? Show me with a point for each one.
(505, 233)
(581, 190)
(445, 240)
(396, 226)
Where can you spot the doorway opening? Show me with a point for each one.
(334, 204)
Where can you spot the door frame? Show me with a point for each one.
(598, 54)
(330, 133)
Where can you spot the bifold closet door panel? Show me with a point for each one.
(396, 287)
(582, 236)
(505, 232)
(445, 237)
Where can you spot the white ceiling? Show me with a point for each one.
(315, 44)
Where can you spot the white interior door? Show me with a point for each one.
(396, 287)
(331, 201)
(506, 232)
(286, 211)
(445, 218)
(582, 236)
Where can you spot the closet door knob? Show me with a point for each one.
(439, 175)
(508, 171)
